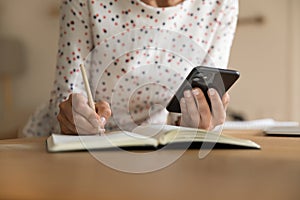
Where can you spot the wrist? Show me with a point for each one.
(174, 119)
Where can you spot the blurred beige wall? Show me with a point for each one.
(31, 22)
(266, 54)
(295, 59)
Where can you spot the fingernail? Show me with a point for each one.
(183, 100)
(212, 91)
(187, 93)
(101, 131)
(103, 120)
(195, 92)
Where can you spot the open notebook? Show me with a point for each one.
(155, 136)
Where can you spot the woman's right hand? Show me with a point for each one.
(76, 116)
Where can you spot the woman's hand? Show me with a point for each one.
(196, 112)
(76, 116)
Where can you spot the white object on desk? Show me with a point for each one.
(279, 130)
(260, 124)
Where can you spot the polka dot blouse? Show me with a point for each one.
(136, 55)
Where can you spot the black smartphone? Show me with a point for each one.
(204, 78)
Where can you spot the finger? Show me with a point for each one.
(185, 116)
(75, 122)
(190, 103)
(183, 106)
(66, 126)
(89, 132)
(226, 100)
(65, 110)
(81, 107)
(218, 110)
(203, 108)
(103, 110)
(65, 130)
(83, 126)
(192, 109)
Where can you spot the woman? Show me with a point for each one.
(136, 53)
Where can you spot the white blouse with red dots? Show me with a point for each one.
(136, 55)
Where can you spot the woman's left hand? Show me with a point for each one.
(196, 112)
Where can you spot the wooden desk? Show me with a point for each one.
(27, 171)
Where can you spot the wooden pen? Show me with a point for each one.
(89, 93)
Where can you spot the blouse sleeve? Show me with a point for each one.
(75, 43)
(219, 52)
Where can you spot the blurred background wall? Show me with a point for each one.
(33, 24)
(267, 54)
(265, 51)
